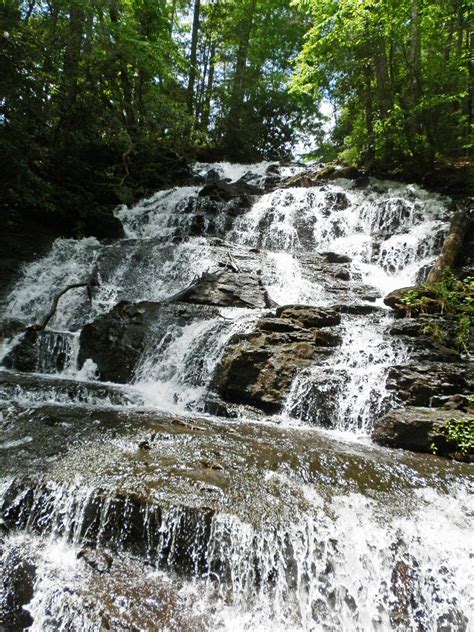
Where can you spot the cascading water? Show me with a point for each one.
(127, 507)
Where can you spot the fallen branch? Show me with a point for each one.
(233, 264)
(91, 283)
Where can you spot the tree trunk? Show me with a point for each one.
(415, 49)
(72, 56)
(126, 85)
(369, 116)
(382, 79)
(451, 247)
(193, 58)
(206, 108)
(172, 16)
(238, 87)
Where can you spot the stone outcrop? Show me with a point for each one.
(258, 368)
(229, 288)
(424, 430)
(426, 384)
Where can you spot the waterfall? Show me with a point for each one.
(157, 504)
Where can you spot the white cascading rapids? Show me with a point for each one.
(343, 560)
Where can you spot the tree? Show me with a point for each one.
(399, 73)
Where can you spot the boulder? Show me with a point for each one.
(423, 430)
(258, 368)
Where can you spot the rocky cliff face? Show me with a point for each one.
(435, 385)
(332, 358)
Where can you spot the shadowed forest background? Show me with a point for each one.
(103, 101)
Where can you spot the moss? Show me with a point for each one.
(453, 297)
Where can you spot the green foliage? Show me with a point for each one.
(247, 47)
(94, 97)
(459, 433)
(453, 297)
(399, 74)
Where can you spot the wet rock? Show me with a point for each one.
(309, 317)
(359, 309)
(116, 341)
(322, 392)
(230, 288)
(361, 182)
(424, 384)
(258, 368)
(335, 257)
(216, 406)
(45, 351)
(367, 293)
(408, 604)
(205, 210)
(337, 201)
(19, 574)
(452, 402)
(59, 389)
(335, 171)
(428, 338)
(103, 225)
(98, 560)
(420, 430)
(212, 176)
(25, 355)
(317, 177)
(223, 191)
(333, 272)
(422, 274)
(303, 180)
(10, 328)
(394, 299)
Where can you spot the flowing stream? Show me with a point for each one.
(131, 507)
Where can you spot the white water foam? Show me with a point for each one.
(175, 374)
